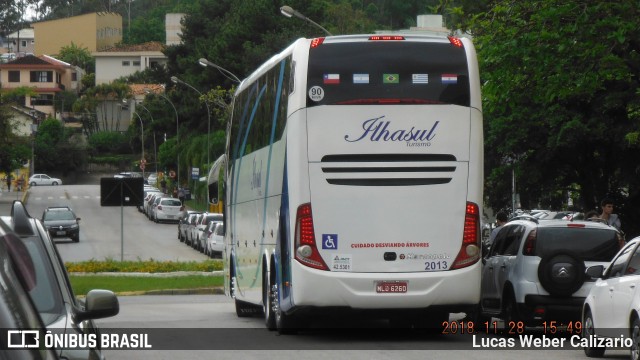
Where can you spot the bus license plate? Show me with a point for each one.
(391, 287)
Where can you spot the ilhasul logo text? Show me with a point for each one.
(377, 129)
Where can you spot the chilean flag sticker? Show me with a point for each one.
(449, 78)
(331, 78)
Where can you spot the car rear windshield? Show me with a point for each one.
(388, 72)
(589, 243)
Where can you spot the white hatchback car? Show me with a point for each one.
(612, 307)
(43, 179)
(168, 209)
(215, 239)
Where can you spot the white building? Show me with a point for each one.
(126, 60)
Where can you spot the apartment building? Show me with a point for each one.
(95, 31)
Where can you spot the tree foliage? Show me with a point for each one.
(57, 149)
(78, 56)
(560, 99)
(15, 150)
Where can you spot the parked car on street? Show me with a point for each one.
(168, 209)
(52, 294)
(146, 192)
(192, 229)
(61, 221)
(183, 223)
(149, 203)
(43, 179)
(127, 174)
(535, 269)
(17, 310)
(198, 237)
(215, 239)
(186, 228)
(152, 179)
(612, 307)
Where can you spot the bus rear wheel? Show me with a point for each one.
(269, 290)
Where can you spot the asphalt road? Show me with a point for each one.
(206, 327)
(110, 232)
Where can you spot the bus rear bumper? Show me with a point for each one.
(458, 289)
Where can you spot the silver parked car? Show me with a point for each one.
(535, 270)
(52, 294)
(198, 237)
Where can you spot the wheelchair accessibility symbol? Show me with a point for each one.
(330, 241)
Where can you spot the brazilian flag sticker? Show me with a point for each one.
(390, 79)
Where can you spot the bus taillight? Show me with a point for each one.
(305, 240)
(455, 41)
(469, 252)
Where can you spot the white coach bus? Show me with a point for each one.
(354, 181)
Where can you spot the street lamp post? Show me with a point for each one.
(288, 11)
(206, 103)
(155, 147)
(228, 74)
(177, 128)
(141, 140)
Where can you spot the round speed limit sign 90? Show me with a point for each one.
(316, 93)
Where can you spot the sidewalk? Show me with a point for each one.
(7, 198)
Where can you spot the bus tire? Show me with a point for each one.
(268, 291)
(285, 323)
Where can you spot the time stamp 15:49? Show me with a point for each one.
(509, 328)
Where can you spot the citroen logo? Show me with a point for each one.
(563, 272)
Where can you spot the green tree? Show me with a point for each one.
(78, 56)
(58, 149)
(14, 150)
(560, 96)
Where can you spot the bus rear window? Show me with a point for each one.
(362, 73)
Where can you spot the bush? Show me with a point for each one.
(148, 266)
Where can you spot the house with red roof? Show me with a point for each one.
(46, 75)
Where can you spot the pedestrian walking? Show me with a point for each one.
(181, 195)
(163, 185)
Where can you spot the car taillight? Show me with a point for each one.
(386, 38)
(159, 207)
(575, 225)
(305, 240)
(316, 42)
(181, 208)
(469, 252)
(455, 41)
(529, 248)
